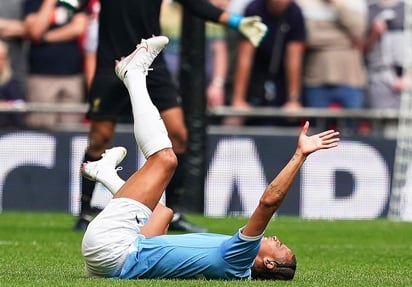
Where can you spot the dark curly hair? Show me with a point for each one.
(283, 271)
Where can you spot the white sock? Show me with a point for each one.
(149, 129)
(111, 180)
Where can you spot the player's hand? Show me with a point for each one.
(253, 29)
(309, 144)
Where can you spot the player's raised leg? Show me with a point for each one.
(148, 183)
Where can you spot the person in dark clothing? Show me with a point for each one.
(122, 24)
(55, 59)
(270, 75)
(11, 90)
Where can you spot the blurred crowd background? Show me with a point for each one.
(332, 59)
(332, 54)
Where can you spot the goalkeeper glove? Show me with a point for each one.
(251, 27)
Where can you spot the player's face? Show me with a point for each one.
(272, 247)
(272, 255)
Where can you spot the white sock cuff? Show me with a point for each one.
(157, 144)
(150, 132)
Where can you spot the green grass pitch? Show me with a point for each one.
(40, 249)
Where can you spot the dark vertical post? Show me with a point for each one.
(192, 83)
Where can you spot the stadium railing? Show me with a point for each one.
(377, 121)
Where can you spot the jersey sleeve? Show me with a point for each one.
(241, 250)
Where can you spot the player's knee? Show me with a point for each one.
(164, 211)
(168, 160)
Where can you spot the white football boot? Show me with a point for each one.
(142, 57)
(94, 170)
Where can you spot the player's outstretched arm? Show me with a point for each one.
(276, 191)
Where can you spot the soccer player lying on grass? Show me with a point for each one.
(127, 239)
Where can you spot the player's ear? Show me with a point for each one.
(269, 263)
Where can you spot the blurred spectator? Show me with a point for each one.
(55, 58)
(12, 31)
(334, 72)
(216, 54)
(232, 42)
(385, 54)
(170, 22)
(217, 60)
(91, 40)
(270, 75)
(11, 90)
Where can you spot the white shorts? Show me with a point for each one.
(108, 237)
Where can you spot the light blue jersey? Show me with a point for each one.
(206, 255)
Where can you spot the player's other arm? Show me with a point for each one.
(276, 191)
(159, 221)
